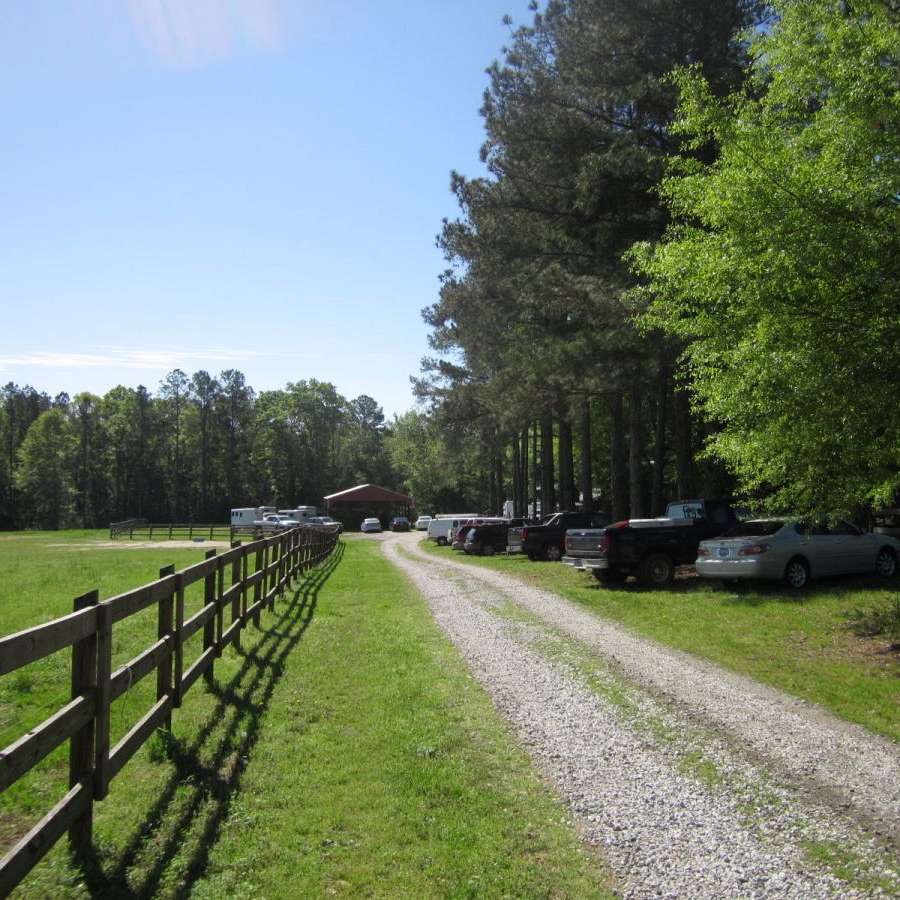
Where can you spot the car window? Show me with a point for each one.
(845, 528)
(718, 514)
(690, 510)
(755, 529)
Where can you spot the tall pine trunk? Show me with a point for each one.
(587, 479)
(684, 452)
(658, 500)
(548, 494)
(524, 511)
(618, 466)
(566, 467)
(636, 453)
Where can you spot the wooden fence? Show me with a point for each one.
(88, 630)
(142, 530)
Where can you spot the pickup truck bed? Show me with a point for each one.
(648, 548)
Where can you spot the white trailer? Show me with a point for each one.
(246, 515)
(299, 513)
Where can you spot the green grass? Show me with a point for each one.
(799, 643)
(344, 750)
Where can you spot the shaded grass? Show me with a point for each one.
(798, 643)
(343, 749)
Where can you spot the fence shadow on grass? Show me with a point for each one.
(179, 819)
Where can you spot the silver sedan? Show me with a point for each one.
(795, 552)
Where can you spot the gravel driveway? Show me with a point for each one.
(692, 781)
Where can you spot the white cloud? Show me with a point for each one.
(127, 358)
(193, 33)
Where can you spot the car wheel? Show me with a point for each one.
(442, 542)
(488, 550)
(551, 553)
(657, 570)
(796, 573)
(609, 576)
(886, 563)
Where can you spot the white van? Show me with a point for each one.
(440, 526)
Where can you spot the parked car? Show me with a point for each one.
(794, 552)
(399, 523)
(459, 536)
(422, 523)
(649, 548)
(548, 540)
(370, 525)
(274, 522)
(327, 520)
(487, 539)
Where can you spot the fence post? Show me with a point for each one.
(236, 599)
(259, 587)
(165, 618)
(102, 708)
(209, 629)
(220, 605)
(81, 744)
(179, 636)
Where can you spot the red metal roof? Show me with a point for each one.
(369, 493)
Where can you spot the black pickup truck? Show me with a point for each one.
(547, 540)
(648, 548)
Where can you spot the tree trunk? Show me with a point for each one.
(658, 500)
(618, 468)
(684, 452)
(636, 454)
(587, 480)
(516, 476)
(548, 495)
(566, 467)
(536, 468)
(524, 511)
(501, 492)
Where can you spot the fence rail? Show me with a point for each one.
(142, 530)
(123, 527)
(85, 720)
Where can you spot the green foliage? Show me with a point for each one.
(780, 267)
(44, 472)
(440, 473)
(199, 447)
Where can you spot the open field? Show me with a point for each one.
(343, 750)
(796, 642)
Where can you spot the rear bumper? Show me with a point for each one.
(739, 568)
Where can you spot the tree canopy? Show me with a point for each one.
(779, 269)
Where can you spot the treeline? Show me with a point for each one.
(680, 275)
(190, 452)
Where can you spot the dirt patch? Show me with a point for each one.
(198, 544)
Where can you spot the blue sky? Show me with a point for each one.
(232, 183)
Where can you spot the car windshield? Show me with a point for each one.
(762, 528)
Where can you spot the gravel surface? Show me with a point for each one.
(693, 781)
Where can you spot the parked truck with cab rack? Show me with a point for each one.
(650, 549)
(547, 540)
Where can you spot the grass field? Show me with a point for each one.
(343, 750)
(796, 642)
